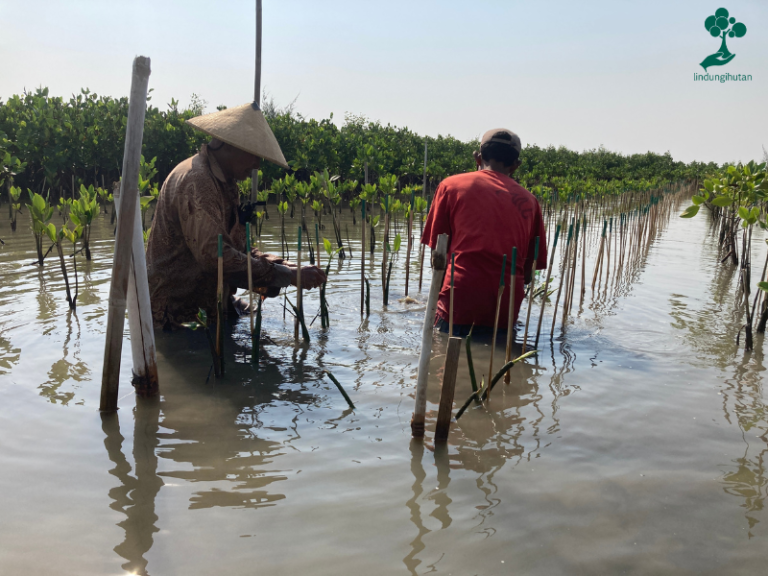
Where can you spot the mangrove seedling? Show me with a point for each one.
(15, 194)
(56, 237)
(41, 211)
(201, 321)
(395, 250)
(82, 214)
(325, 319)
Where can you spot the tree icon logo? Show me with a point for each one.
(722, 25)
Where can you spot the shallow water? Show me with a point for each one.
(634, 444)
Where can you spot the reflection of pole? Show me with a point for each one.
(122, 263)
(417, 469)
(135, 497)
(438, 271)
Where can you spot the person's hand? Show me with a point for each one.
(311, 277)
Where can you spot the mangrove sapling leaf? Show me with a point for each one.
(698, 200)
(722, 201)
(690, 212)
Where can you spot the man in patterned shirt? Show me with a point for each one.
(198, 201)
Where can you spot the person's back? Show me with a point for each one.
(485, 213)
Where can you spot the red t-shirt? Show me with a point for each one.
(485, 213)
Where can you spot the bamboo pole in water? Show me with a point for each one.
(450, 302)
(438, 271)
(220, 305)
(496, 317)
(299, 301)
(511, 314)
(250, 280)
(530, 296)
(410, 245)
(362, 263)
(140, 322)
(122, 262)
(449, 386)
(546, 286)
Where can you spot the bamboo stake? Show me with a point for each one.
(562, 278)
(599, 257)
(496, 317)
(438, 271)
(410, 245)
(250, 281)
(299, 300)
(121, 263)
(220, 306)
(450, 304)
(530, 296)
(546, 286)
(140, 321)
(362, 264)
(511, 316)
(449, 385)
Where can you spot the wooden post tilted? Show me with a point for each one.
(449, 386)
(122, 262)
(439, 264)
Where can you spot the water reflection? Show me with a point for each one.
(711, 332)
(69, 367)
(135, 495)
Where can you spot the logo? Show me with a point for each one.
(722, 25)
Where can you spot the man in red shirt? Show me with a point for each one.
(485, 213)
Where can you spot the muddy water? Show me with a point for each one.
(634, 444)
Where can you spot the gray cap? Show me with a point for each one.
(502, 136)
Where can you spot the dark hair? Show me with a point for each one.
(499, 152)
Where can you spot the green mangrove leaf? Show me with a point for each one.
(690, 212)
(763, 286)
(722, 201)
(698, 200)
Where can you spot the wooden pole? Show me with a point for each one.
(438, 271)
(121, 264)
(257, 77)
(299, 302)
(449, 386)
(530, 297)
(511, 317)
(450, 303)
(257, 93)
(140, 322)
(220, 305)
(410, 245)
(362, 264)
(250, 282)
(546, 286)
(496, 318)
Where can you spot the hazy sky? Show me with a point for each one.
(578, 74)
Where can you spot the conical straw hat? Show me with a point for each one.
(245, 128)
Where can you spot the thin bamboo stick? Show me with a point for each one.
(362, 263)
(546, 286)
(220, 305)
(496, 316)
(530, 296)
(511, 313)
(450, 304)
(449, 385)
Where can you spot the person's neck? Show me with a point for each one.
(496, 167)
(222, 160)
